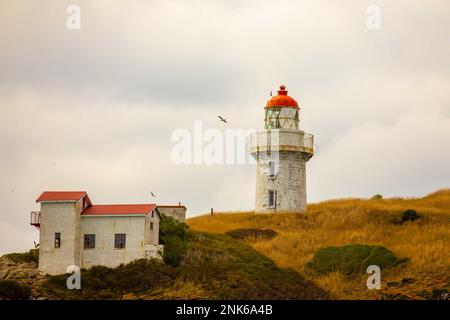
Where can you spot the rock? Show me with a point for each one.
(393, 284)
(402, 297)
(406, 281)
(439, 294)
(4, 274)
(424, 294)
(32, 273)
(128, 296)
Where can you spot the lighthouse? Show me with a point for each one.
(281, 151)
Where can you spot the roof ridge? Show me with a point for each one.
(127, 204)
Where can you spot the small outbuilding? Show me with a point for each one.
(74, 231)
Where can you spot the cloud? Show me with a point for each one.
(95, 109)
(14, 239)
(406, 158)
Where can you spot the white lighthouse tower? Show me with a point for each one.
(281, 151)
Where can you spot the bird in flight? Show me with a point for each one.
(36, 245)
(153, 195)
(222, 119)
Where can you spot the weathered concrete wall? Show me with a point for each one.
(177, 212)
(62, 217)
(289, 183)
(153, 251)
(152, 235)
(66, 218)
(105, 228)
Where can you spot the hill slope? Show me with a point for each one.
(357, 221)
(213, 266)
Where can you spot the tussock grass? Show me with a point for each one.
(426, 241)
(252, 234)
(24, 257)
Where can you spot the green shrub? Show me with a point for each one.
(172, 234)
(409, 215)
(230, 269)
(351, 259)
(377, 197)
(252, 233)
(174, 250)
(10, 289)
(170, 227)
(100, 282)
(30, 256)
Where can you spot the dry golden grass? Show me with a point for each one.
(426, 242)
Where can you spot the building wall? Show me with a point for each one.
(62, 217)
(289, 183)
(66, 218)
(177, 212)
(152, 235)
(105, 228)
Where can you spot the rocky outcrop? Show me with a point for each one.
(425, 287)
(25, 273)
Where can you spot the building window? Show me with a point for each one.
(271, 168)
(272, 198)
(151, 225)
(57, 239)
(89, 241)
(119, 241)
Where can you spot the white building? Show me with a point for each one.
(281, 151)
(73, 231)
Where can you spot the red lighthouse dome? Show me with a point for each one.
(282, 100)
(281, 111)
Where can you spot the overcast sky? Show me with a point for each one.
(94, 109)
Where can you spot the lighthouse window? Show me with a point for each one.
(271, 168)
(272, 198)
(277, 118)
(58, 240)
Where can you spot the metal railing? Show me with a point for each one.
(308, 141)
(281, 140)
(35, 218)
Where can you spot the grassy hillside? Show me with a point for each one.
(211, 266)
(426, 241)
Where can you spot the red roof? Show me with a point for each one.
(282, 100)
(60, 196)
(118, 209)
